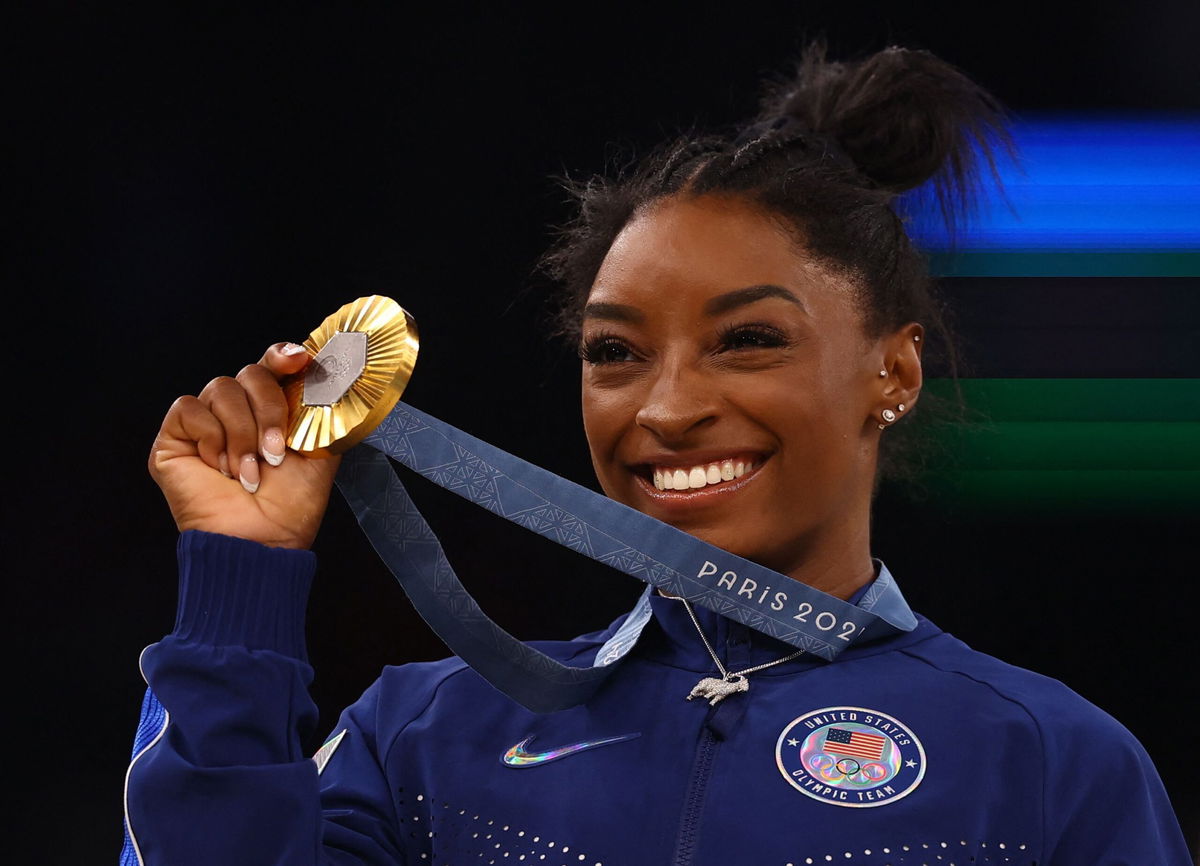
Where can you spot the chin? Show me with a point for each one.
(751, 545)
(730, 539)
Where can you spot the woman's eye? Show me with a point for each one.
(605, 351)
(757, 337)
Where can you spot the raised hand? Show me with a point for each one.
(221, 461)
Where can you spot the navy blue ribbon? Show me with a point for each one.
(593, 525)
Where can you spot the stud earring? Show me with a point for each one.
(917, 338)
(889, 416)
(883, 374)
(900, 408)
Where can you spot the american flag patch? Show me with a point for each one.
(856, 744)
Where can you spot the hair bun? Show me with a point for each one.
(903, 117)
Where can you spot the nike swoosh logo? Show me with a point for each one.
(520, 758)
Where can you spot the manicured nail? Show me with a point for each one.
(223, 465)
(248, 473)
(273, 448)
(291, 349)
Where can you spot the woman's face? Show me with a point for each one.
(728, 387)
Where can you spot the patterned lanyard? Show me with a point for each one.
(588, 523)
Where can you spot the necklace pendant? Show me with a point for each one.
(714, 690)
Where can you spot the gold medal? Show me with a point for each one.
(362, 358)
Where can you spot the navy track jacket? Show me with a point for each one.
(912, 749)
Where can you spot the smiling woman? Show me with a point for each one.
(751, 319)
(711, 341)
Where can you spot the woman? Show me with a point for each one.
(751, 318)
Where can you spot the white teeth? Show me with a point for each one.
(667, 478)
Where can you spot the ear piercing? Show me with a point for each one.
(889, 416)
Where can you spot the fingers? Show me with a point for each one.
(270, 410)
(190, 421)
(235, 419)
(284, 359)
(228, 402)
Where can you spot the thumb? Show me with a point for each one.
(284, 359)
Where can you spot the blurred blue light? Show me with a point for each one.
(1085, 184)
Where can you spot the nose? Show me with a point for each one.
(679, 401)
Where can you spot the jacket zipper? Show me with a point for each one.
(693, 804)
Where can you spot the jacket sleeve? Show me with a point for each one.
(1105, 804)
(218, 773)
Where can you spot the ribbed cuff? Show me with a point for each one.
(234, 592)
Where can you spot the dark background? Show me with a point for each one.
(194, 183)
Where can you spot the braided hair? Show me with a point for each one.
(832, 148)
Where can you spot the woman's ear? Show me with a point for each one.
(900, 388)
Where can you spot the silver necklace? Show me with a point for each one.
(716, 690)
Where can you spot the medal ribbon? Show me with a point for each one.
(591, 524)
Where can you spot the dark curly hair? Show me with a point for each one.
(832, 148)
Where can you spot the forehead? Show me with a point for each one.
(682, 251)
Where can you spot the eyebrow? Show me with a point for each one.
(722, 303)
(741, 297)
(613, 312)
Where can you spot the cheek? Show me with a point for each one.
(838, 396)
(816, 417)
(605, 415)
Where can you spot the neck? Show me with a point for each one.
(840, 577)
(836, 558)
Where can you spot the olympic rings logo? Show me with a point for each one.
(848, 771)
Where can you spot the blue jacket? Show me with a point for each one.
(912, 749)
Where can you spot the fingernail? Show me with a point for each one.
(291, 349)
(273, 448)
(223, 465)
(249, 473)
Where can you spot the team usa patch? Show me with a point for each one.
(850, 756)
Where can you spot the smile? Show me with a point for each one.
(701, 475)
(698, 484)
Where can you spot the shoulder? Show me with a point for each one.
(1102, 799)
(1058, 713)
